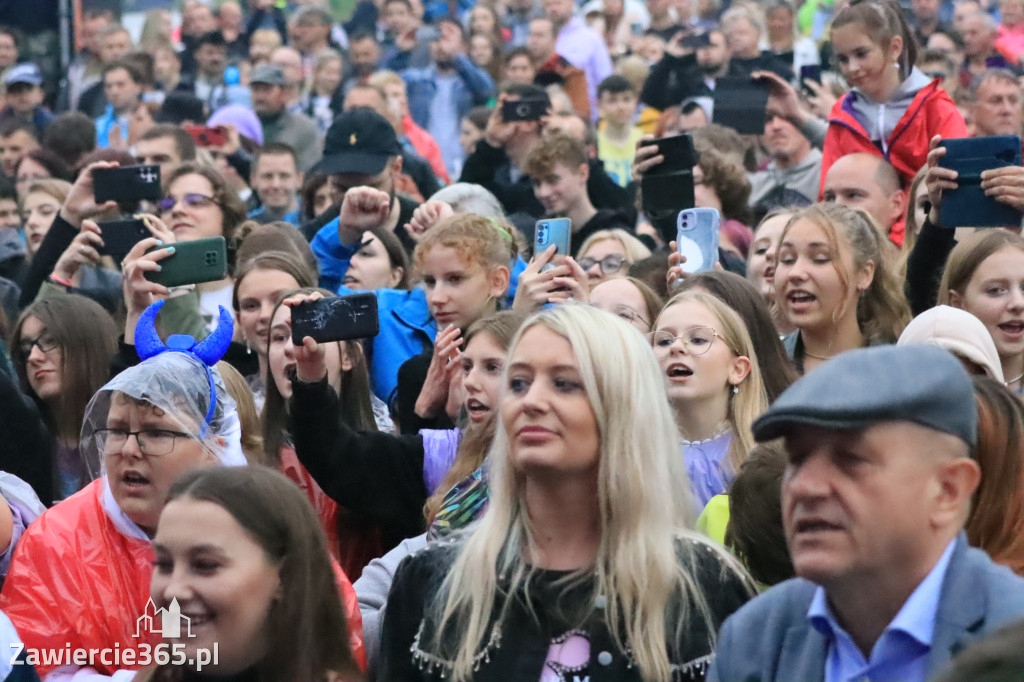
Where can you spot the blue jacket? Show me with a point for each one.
(105, 122)
(406, 326)
(474, 88)
(771, 639)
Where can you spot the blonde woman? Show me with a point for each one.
(836, 282)
(586, 531)
(609, 253)
(714, 385)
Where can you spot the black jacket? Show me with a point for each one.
(925, 264)
(521, 647)
(376, 475)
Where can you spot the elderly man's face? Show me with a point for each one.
(859, 505)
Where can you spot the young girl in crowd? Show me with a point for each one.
(714, 385)
(40, 205)
(761, 264)
(380, 263)
(834, 281)
(777, 371)
(388, 478)
(464, 262)
(985, 276)
(62, 348)
(259, 283)
(893, 109)
(274, 608)
(996, 522)
(630, 299)
(582, 548)
(352, 537)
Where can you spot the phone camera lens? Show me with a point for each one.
(523, 109)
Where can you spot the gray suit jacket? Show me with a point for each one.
(771, 639)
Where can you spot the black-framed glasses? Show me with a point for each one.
(43, 342)
(696, 341)
(609, 264)
(167, 204)
(152, 442)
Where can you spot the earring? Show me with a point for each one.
(735, 390)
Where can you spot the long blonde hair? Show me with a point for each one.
(752, 399)
(643, 499)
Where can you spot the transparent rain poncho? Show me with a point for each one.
(178, 379)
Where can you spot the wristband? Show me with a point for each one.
(66, 283)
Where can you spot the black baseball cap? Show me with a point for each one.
(358, 141)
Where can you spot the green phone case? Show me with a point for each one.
(202, 260)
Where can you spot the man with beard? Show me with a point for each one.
(363, 57)
(443, 92)
(793, 176)
(683, 73)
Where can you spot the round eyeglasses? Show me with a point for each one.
(696, 341)
(152, 442)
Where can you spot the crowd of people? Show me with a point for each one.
(804, 461)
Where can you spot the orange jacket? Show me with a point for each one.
(77, 581)
(931, 112)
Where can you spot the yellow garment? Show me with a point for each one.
(715, 518)
(618, 158)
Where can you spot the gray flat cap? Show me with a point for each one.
(916, 383)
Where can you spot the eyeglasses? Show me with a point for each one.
(630, 315)
(43, 342)
(188, 201)
(152, 442)
(609, 264)
(696, 341)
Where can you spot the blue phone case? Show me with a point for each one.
(697, 238)
(557, 231)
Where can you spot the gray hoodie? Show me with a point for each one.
(880, 118)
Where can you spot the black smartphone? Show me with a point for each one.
(679, 153)
(810, 72)
(120, 236)
(697, 41)
(524, 109)
(967, 205)
(668, 193)
(127, 183)
(201, 260)
(741, 104)
(338, 318)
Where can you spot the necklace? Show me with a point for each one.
(817, 357)
(720, 430)
(1015, 379)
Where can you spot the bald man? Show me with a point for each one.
(869, 183)
(290, 61)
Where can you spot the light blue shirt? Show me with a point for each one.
(901, 653)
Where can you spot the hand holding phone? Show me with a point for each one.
(119, 236)
(557, 231)
(336, 318)
(697, 238)
(193, 262)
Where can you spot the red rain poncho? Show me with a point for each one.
(77, 581)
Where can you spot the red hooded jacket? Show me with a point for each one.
(932, 112)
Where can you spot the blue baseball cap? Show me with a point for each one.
(23, 73)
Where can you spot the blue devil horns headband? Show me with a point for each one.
(208, 351)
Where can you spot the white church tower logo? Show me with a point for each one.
(166, 622)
